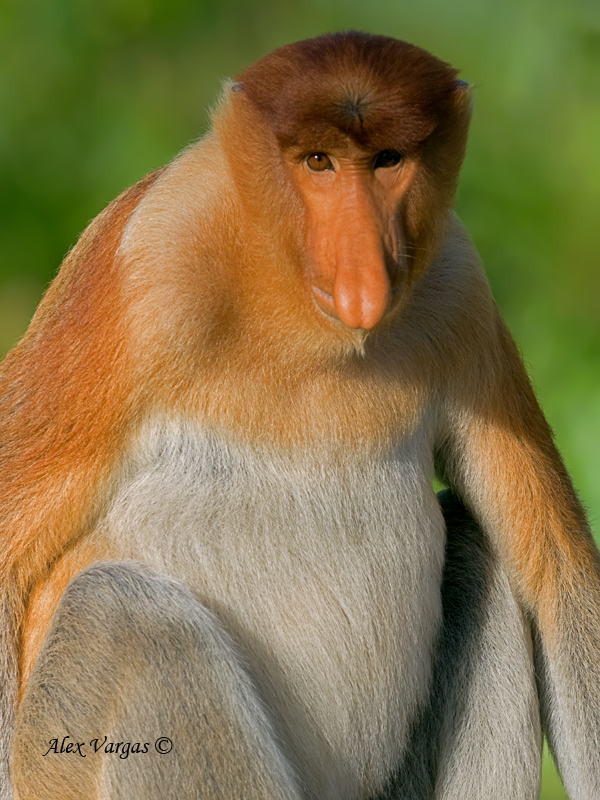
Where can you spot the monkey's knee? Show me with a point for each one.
(139, 692)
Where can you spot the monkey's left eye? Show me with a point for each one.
(387, 158)
(319, 162)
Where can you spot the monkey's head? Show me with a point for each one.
(360, 137)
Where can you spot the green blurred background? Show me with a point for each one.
(95, 94)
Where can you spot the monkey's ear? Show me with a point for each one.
(463, 98)
(445, 149)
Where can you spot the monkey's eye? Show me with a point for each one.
(319, 162)
(387, 158)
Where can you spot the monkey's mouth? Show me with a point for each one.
(326, 304)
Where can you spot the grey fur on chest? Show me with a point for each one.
(325, 570)
(199, 496)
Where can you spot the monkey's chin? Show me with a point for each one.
(346, 343)
(358, 340)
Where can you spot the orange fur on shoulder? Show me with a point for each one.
(66, 393)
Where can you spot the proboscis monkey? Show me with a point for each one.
(217, 442)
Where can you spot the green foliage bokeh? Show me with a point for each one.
(95, 94)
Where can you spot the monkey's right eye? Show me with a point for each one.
(387, 158)
(319, 162)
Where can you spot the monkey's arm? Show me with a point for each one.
(65, 393)
(498, 454)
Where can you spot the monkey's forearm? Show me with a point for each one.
(502, 460)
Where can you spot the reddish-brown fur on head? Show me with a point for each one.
(380, 92)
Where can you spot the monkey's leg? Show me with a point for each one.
(480, 737)
(133, 657)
